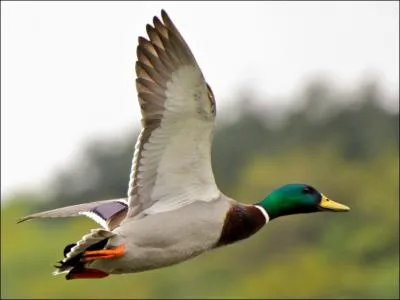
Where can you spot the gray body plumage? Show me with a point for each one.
(167, 238)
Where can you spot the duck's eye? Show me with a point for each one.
(308, 190)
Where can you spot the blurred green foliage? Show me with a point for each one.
(343, 143)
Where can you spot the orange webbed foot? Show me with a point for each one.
(117, 252)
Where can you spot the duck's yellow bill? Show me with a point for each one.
(330, 205)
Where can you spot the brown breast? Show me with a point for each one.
(241, 222)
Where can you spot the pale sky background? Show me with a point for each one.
(67, 68)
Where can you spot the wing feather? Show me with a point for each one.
(172, 161)
(107, 213)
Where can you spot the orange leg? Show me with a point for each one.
(117, 252)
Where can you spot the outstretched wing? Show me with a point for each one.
(107, 213)
(172, 161)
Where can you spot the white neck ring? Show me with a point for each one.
(264, 212)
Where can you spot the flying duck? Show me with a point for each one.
(174, 210)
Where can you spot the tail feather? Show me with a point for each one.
(73, 253)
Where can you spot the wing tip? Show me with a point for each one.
(23, 219)
(164, 15)
(150, 30)
(156, 20)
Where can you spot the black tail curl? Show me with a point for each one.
(76, 262)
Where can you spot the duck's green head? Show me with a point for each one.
(296, 199)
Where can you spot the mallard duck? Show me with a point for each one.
(174, 210)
